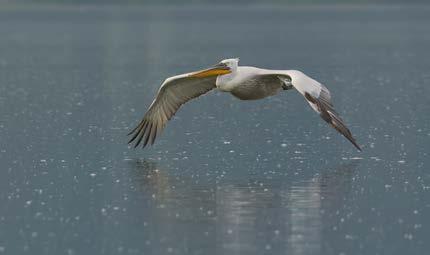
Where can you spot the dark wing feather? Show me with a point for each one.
(173, 93)
(324, 107)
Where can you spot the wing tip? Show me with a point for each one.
(145, 133)
(357, 146)
(338, 124)
(139, 132)
(328, 114)
(352, 140)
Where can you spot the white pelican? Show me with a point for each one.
(243, 82)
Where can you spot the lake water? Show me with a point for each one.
(226, 176)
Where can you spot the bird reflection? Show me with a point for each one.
(240, 218)
(152, 179)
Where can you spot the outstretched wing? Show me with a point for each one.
(318, 97)
(174, 92)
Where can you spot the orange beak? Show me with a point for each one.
(217, 69)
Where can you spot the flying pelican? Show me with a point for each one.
(243, 82)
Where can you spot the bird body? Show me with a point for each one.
(243, 82)
(248, 83)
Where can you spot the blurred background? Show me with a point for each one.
(226, 176)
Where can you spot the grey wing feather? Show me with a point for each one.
(172, 94)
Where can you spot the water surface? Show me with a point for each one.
(226, 176)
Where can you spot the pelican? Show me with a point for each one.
(243, 82)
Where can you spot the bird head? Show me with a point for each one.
(232, 63)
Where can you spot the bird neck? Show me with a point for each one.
(224, 82)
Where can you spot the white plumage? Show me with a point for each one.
(243, 82)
